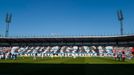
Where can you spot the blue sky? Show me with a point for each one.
(66, 17)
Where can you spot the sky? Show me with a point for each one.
(66, 17)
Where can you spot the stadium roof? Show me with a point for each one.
(69, 39)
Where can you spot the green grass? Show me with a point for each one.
(65, 65)
(67, 60)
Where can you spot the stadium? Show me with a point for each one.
(36, 54)
(66, 47)
(118, 47)
(101, 38)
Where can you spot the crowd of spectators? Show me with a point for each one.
(119, 53)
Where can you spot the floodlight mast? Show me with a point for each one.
(8, 21)
(120, 18)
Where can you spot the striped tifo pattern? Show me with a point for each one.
(65, 51)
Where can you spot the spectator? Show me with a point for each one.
(123, 56)
(119, 56)
(10, 55)
(115, 56)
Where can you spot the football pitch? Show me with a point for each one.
(64, 65)
(67, 60)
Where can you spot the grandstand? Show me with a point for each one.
(125, 40)
(78, 46)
